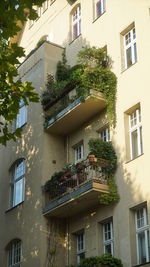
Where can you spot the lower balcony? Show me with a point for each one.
(77, 192)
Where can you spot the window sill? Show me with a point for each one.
(52, 2)
(134, 158)
(143, 264)
(75, 39)
(124, 70)
(99, 17)
(12, 208)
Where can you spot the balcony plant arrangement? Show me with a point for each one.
(93, 71)
(105, 152)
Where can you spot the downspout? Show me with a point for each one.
(67, 156)
(68, 241)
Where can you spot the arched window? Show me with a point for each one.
(17, 182)
(14, 253)
(76, 21)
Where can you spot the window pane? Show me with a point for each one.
(140, 218)
(129, 57)
(19, 187)
(20, 169)
(98, 9)
(134, 141)
(135, 53)
(75, 31)
(108, 249)
(141, 142)
(141, 247)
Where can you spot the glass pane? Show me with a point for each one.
(141, 247)
(108, 248)
(141, 142)
(75, 31)
(129, 56)
(10, 256)
(135, 53)
(98, 9)
(20, 169)
(133, 119)
(128, 38)
(134, 141)
(104, 5)
(18, 191)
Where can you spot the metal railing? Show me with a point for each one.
(71, 182)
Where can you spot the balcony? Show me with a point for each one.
(39, 62)
(78, 191)
(75, 114)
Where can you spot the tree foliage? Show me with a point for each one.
(13, 16)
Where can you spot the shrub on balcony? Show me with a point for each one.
(92, 72)
(105, 150)
(104, 261)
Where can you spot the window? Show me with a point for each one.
(130, 50)
(142, 235)
(100, 8)
(105, 134)
(135, 131)
(17, 183)
(14, 254)
(108, 237)
(45, 6)
(22, 115)
(76, 22)
(80, 247)
(79, 153)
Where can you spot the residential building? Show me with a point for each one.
(37, 231)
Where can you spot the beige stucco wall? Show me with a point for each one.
(41, 149)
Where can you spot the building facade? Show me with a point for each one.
(35, 230)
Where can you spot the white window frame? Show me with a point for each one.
(102, 3)
(105, 134)
(136, 127)
(142, 229)
(21, 116)
(76, 20)
(109, 241)
(17, 179)
(80, 250)
(130, 43)
(79, 153)
(14, 252)
(45, 6)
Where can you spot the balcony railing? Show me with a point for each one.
(75, 114)
(84, 186)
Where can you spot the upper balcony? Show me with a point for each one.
(74, 192)
(75, 113)
(40, 61)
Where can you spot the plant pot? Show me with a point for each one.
(92, 158)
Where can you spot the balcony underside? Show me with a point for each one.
(76, 114)
(78, 200)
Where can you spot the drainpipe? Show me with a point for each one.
(67, 150)
(67, 241)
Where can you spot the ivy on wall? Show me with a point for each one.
(93, 71)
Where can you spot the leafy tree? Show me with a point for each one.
(14, 14)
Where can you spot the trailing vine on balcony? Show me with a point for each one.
(105, 150)
(93, 71)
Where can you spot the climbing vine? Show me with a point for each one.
(93, 71)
